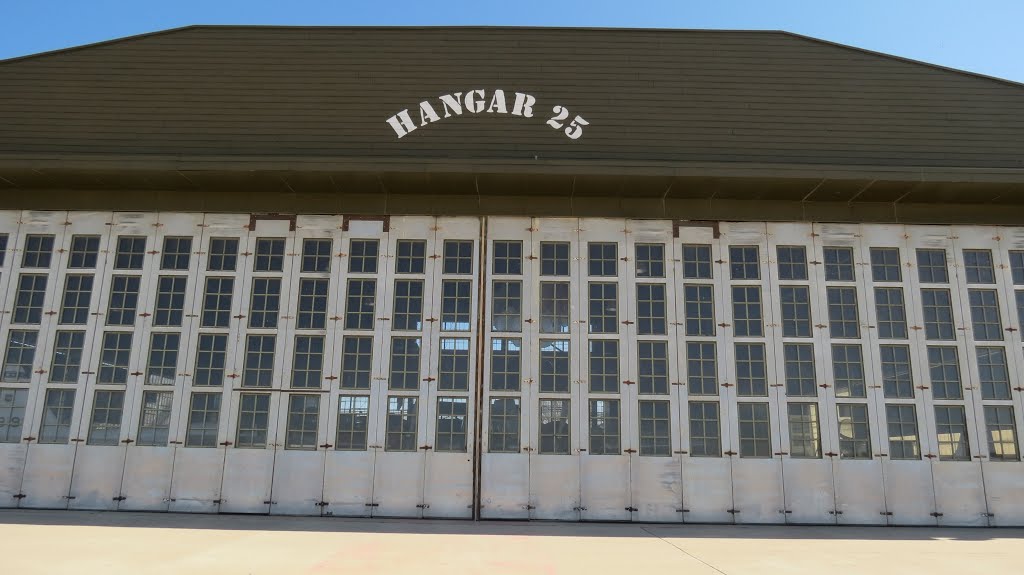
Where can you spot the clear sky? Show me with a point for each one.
(984, 36)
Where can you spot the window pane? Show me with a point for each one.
(554, 426)
(362, 256)
(705, 429)
(755, 430)
(21, 353)
(400, 432)
(800, 378)
(697, 261)
(604, 427)
(452, 425)
(854, 431)
(903, 437)
(650, 260)
(655, 424)
(792, 262)
(604, 365)
(507, 258)
(885, 265)
(804, 431)
(744, 263)
(839, 264)
(303, 421)
(506, 364)
(353, 422)
(503, 429)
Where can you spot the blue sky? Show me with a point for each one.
(984, 36)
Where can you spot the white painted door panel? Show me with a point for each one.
(657, 485)
(909, 495)
(708, 490)
(298, 483)
(196, 482)
(146, 483)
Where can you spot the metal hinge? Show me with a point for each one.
(372, 504)
(425, 447)
(326, 446)
(217, 501)
(19, 496)
(120, 498)
(321, 504)
(682, 510)
(628, 382)
(423, 506)
(226, 443)
(886, 513)
(730, 453)
(732, 511)
(831, 454)
(629, 451)
(835, 512)
(935, 514)
(270, 502)
(632, 509)
(579, 508)
(988, 514)
(528, 507)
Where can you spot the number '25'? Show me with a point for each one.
(575, 129)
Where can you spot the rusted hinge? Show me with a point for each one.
(930, 455)
(321, 504)
(528, 507)
(326, 446)
(682, 510)
(835, 512)
(723, 325)
(372, 504)
(628, 382)
(886, 513)
(579, 508)
(727, 385)
(527, 448)
(629, 451)
(632, 509)
(528, 320)
(136, 373)
(423, 506)
(127, 441)
(680, 452)
(29, 438)
(831, 454)
(145, 314)
(781, 453)
(216, 501)
(426, 447)
(174, 442)
(239, 316)
(226, 443)
(730, 453)
(922, 387)
(935, 514)
(331, 378)
(626, 322)
(77, 440)
(120, 498)
(732, 511)
(429, 379)
(824, 386)
(270, 502)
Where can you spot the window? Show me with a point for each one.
(155, 420)
(796, 311)
(356, 361)
(131, 251)
(1020, 307)
(308, 362)
(804, 432)
(362, 257)
(84, 252)
(28, 303)
(12, 413)
(453, 368)
(699, 309)
(800, 380)
(359, 304)
(405, 363)
(903, 439)
(458, 257)
(951, 428)
(211, 356)
(655, 434)
(400, 431)
(21, 353)
(746, 311)
(652, 363)
(697, 261)
(755, 430)
(839, 264)
(316, 256)
(885, 265)
(892, 316)
(503, 431)
(269, 255)
(312, 303)
(176, 253)
(985, 314)
(203, 420)
(1001, 432)
(848, 370)
(410, 256)
(554, 307)
(170, 301)
(701, 368)
(38, 251)
(253, 420)
(651, 309)
(74, 307)
(124, 300)
(604, 427)
(408, 313)
(944, 369)
(303, 421)
(604, 307)
(992, 373)
(353, 422)
(843, 318)
(554, 426)
(854, 431)
(58, 407)
(604, 365)
(931, 266)
(506, 306)
(163, 358)
(554, 258)
(978, 267)
(751, 376)
(265, 303)
(603, 259)
(452, 426)
(650, 260)
(455, 305)
(1016, 266)
(259, 361)
(554, 366)
(938, 314)
(705, 429)
(506, 363)
(897, 377)
(114, 357)
(508, 258)
(105, 426)
(744, 263)
(66, 363)
(217, 302)
(223, 255)
(792, 262)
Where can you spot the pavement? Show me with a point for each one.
(81, 542)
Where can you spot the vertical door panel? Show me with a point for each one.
(14, 450)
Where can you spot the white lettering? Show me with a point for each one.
(402, 123)
(427, 113)
(523, 105)
(452, 102)
(498, 102)
(472, 104)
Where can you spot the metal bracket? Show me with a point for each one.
(632, 509)
(120, 498)
(423, 506)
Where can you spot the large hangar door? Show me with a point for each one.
(203, 418)
(709, 404)
(169, 322)
(14, 390)
(757, 467)
(57, 409)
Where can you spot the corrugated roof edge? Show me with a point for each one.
(590, 29)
